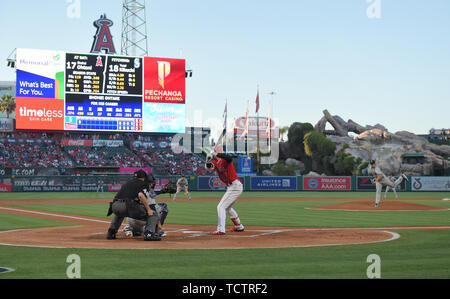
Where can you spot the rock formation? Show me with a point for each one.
(388, 149)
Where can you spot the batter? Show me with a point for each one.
(223, 165)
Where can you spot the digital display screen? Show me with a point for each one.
(75, 91)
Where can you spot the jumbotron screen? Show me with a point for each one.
(58, 90)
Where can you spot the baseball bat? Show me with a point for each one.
(209, 149)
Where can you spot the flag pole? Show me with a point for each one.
(257, 131)
(224, 131)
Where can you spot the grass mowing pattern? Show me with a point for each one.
(417, 254)
(272, 213)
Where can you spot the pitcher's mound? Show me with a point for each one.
(385, 205)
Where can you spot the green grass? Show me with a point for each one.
(416, 254)
(273, 213)
(12, 222)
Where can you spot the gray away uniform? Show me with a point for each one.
(182, 185)
(384, 181)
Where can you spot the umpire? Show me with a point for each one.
(131, 201)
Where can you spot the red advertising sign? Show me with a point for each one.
(76, 142)
(253, 123)
(164, 80)
(332, 183)
(5, 187)
(39, 114)
(274, 133)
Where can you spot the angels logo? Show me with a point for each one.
(99, 61)
(103, 39)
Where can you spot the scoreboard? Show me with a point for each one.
(99, 92)
(103, 92)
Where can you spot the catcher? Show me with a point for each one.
(130, 201)
(182, 185)
(136, 227)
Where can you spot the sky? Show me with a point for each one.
(372, 61)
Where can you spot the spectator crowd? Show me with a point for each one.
(44, 150)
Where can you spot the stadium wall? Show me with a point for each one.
(112, 183)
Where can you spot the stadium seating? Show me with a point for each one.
(46, 150)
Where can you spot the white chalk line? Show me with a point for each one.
(264, 232)
(52, 214)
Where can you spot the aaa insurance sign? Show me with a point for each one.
(327, 183)
(164, 80)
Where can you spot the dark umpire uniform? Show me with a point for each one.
(131, 201)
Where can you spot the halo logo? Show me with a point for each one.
(103, 39)
(163, 71)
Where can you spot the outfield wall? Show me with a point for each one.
(112, 183)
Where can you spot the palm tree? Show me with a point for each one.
(8, 104)
(283, 131)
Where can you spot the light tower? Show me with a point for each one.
(134, 28)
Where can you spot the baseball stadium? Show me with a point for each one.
(105, 174)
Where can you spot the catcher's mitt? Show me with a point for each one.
(170, 187)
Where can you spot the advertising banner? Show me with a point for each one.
(245, 165)
(107, 143)
(42, 114)
(40, 74)
(134, 169)
(332, 183)
(430, 183)
(168, 118)
(364, 183)
(212, 183)
(76, 142)
(282, 183)
(164, 80)
(5, 187)
(114, 187)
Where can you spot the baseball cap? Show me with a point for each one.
(372, 162)
(141, 174)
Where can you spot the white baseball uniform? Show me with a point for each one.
(228, 176)
(383, 181)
